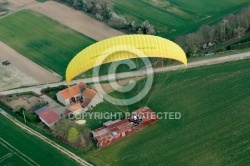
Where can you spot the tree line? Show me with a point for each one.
(231, 27)
(103, 10)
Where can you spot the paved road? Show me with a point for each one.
(55, 145)
(142, 72)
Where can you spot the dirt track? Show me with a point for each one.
(27, 66)
(76, 20)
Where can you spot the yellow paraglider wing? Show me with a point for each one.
(123, 47)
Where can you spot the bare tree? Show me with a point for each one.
(146, 28)
(132, 27)
(100, 7)
(77, 4)
(117, 21)
(87, 5)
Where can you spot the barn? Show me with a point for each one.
(115, 130)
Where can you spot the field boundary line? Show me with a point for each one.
(8, 155)
(17, 152)
(45, 139)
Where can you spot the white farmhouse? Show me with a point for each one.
(79, 95)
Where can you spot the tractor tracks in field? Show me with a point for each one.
(55, 145)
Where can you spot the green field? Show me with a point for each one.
(181, 17)
(44, 41)
(10, 158)
(24, 148)
(214, 129)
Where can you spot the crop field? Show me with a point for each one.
(44, 41)
(181, 16)
(10, 156)
(214, 128)
(18, 147)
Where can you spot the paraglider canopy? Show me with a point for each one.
(121, 48)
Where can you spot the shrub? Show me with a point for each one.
(21, 111)
(73, 134)
(117, 21)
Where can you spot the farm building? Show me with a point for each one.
(41, 109)
(115, 130)
(75, 107)
(47, 116)
(71, 94)
(79, 93)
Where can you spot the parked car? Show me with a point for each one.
(6, 62)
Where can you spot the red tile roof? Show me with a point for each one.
(102, 134)
(86, 102)
(72, 91)
(75, 107)
(120, 126)
(115, 130)
(89, 93)
(49, 116)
